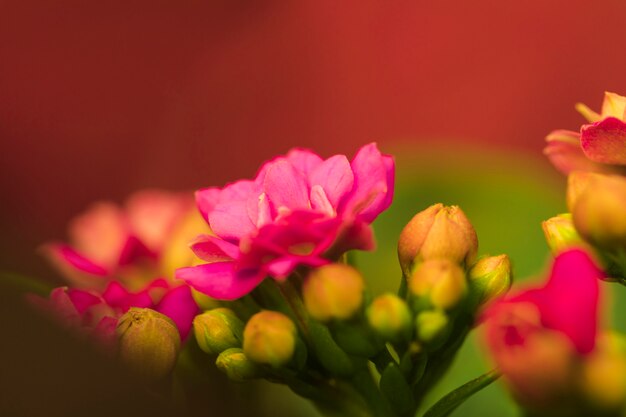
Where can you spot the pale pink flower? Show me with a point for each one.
(300, 210)
(600, 146)
(124, 254)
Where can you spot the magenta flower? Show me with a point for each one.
(299, 210)
(599, 146)
(537, 336)
(127, 255)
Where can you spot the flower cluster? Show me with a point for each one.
(259, 269)
(125, 257)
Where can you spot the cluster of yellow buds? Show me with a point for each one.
(321, 330)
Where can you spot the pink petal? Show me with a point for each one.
(179, 305)
(206, 199)
(286, 187)
(100, 233)
(570, 299)
(230, 220)
(304, 160)
(605, 141)
(373, 183)
(211, 248)
(566, 154)
(134, 250)
(83, 300)
(119, 297)
(219, 280)
(335, 176)
(69, 261)
(153, 215)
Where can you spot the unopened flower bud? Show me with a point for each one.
(390, 317)
(217, 330)
(234, 363)
(148, 343)
(333, 291)
(437, 232)
(577, 182)
(431, 326)
(490, 278)
(441, 281)
(269, 338)
(561, 234)
(600, 212)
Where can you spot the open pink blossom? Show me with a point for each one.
(536, 337)
(299, 210)
(600, 146)
(128, 255)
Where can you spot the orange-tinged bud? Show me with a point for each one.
(490, 278)
(561, 234)
(577, 183)
(600, 212)
(437, 232)
(269, 338)
(333, 291)
(148, 343)
(389, 316)
(441, 281)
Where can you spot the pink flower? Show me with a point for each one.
(299, 210)
(127, 256)
(537, 336)
(599, 147)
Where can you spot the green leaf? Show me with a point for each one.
(452, 400)
(24, 284)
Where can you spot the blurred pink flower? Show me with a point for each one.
(127, 255)
(599, 147)
(299, 210)
(537, 336)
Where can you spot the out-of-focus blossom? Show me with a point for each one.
(84, 312)
(299, 210)
(539, 337)
(600, 146)
(127, 255)
(598, 206)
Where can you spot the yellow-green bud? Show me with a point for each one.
(431, 326)
(440, 280)
(490, 278)
(217, 330)
(333, 291)
(234, 363)
(389, 316)
(603, 378)
(600, 212)
(437, 232)
(269, 338)
(148, 343)
(561, 234)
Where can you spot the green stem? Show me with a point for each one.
(296, 305)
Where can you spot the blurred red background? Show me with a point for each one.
(98, 99)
